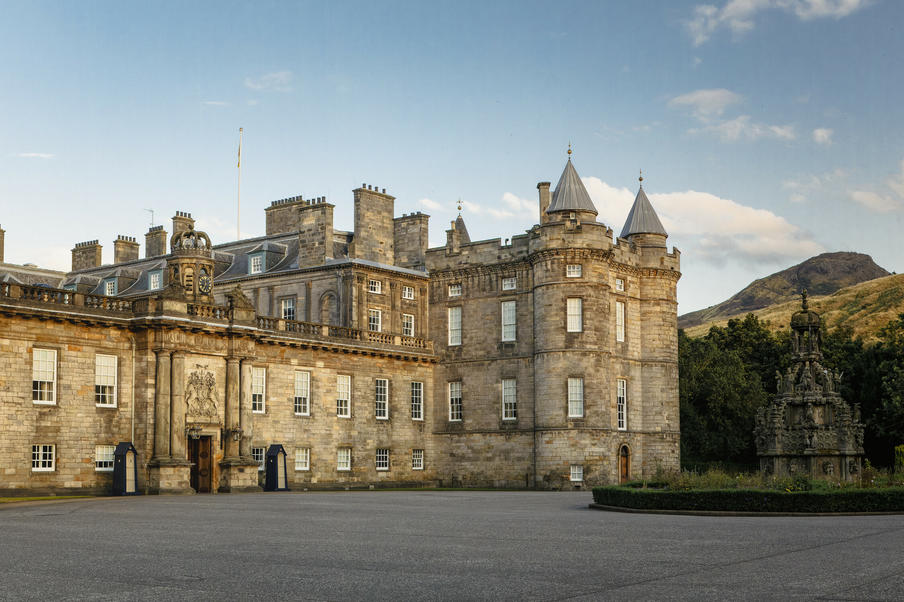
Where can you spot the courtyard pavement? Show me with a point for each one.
(433, 546)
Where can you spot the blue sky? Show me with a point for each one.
(768, 130)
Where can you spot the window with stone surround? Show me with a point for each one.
(575, 314)
(455, 290)
(575, 397)
(417, 459)
(381, 399)
(620, 321)
(258, 389)
(43, 458)
(509, 400)
(509, 320)
(155, 280)
(407, 292)
(620, 284)
(573, 270)
(302, 393)
(374, 320)
(417, 401)
(105, 380)
(375, 286)
(343, 396)
(454, 326)
(303, 458)
(382, 458)
(287, 308)
(43, 376)
(103, 458)
(509, 284)
(455, 406)
(621, 404)
(577, 473)
(408, 325)
(344, 458)
(258, 454)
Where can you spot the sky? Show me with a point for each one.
(768, 131)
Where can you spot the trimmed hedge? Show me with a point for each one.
(751, 500)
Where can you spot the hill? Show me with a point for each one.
(820, 276)
(865, 308)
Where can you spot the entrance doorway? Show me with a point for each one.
(201, 464)
(624, 464)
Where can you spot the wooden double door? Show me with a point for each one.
(199, 454)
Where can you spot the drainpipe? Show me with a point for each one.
(132, 391)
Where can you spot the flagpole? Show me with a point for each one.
(238, 203)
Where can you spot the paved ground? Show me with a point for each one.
(433, 545)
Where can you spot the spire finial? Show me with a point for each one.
(803, 300)
(569, 150)
(459, 206)
(640, 178)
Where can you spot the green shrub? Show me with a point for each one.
(752, 500)
(899, 458)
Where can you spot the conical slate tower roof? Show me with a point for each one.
(642, 219)
(570, 194)
(462, 229)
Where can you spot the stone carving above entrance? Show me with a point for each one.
(201, 393)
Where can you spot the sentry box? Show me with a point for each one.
(125, 469)
(276, 469)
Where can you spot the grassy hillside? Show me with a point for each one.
(820, 275)
(865, 307)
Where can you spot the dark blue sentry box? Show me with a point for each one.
(276, 469)
(125, 469)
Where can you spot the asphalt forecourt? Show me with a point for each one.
(436, 545)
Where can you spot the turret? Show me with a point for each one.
(643, 227)
(570, 200)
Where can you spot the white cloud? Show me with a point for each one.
(743, 127)
(431, 204)
(697, 62)
(252, 103)
(713, 229)
(806, 185)
(280, 81)
(215, 103)
(876, 202)
(35, 155)
(884, 203)
(706, 104)
(738, 16)
(823, 136)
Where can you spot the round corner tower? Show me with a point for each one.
(605, 342)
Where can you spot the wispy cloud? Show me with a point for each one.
(743, 127)
(706, 104)
(714, 229)
(738, 16)
(823, 136)
(803, 187)
(35, 155)
(431, 204)
(887, 201)
(279, 81)
(215, 103)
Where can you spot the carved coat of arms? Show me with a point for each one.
(201, 393)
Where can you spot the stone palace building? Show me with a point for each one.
(549, 361)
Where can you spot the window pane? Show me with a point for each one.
(103, 457)
(621, 409)
(454, 326)
(408, 325)
(258, 388)
(303, 458)
(302, 393)
(509, 400)
(509, 325)
(575, 321)
(343, 395)
(575, 397)
(619, 321)
(374, 320)
(43, 375)
(417, 459)
(417, 401)
(382, 459)
(105, 380)
(344, 459)
(382, 398)
(455, 409)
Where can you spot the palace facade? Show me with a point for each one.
(547, 361)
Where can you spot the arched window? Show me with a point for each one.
(328, 309)
(624, 464)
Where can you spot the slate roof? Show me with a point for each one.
(570, 194)
(642, 219)
(462, 230)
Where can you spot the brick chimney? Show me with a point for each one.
(125, 249)
(86, 255)
(155, 242)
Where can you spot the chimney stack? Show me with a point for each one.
(86, 255)
(125, 249)
(182, 221)
(155, 242)
(543, 187)
(2, 235)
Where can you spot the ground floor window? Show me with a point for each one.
(103, 458)
(383, 459)
(577, 473)
(303, 458)
(344, 458)
(43, 458)
(258, 454)
(417, 459)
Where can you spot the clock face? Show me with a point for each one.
(204, 284)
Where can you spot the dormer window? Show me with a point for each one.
(155, 280)
(110, 287)
(256, 263)
(375, 286)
